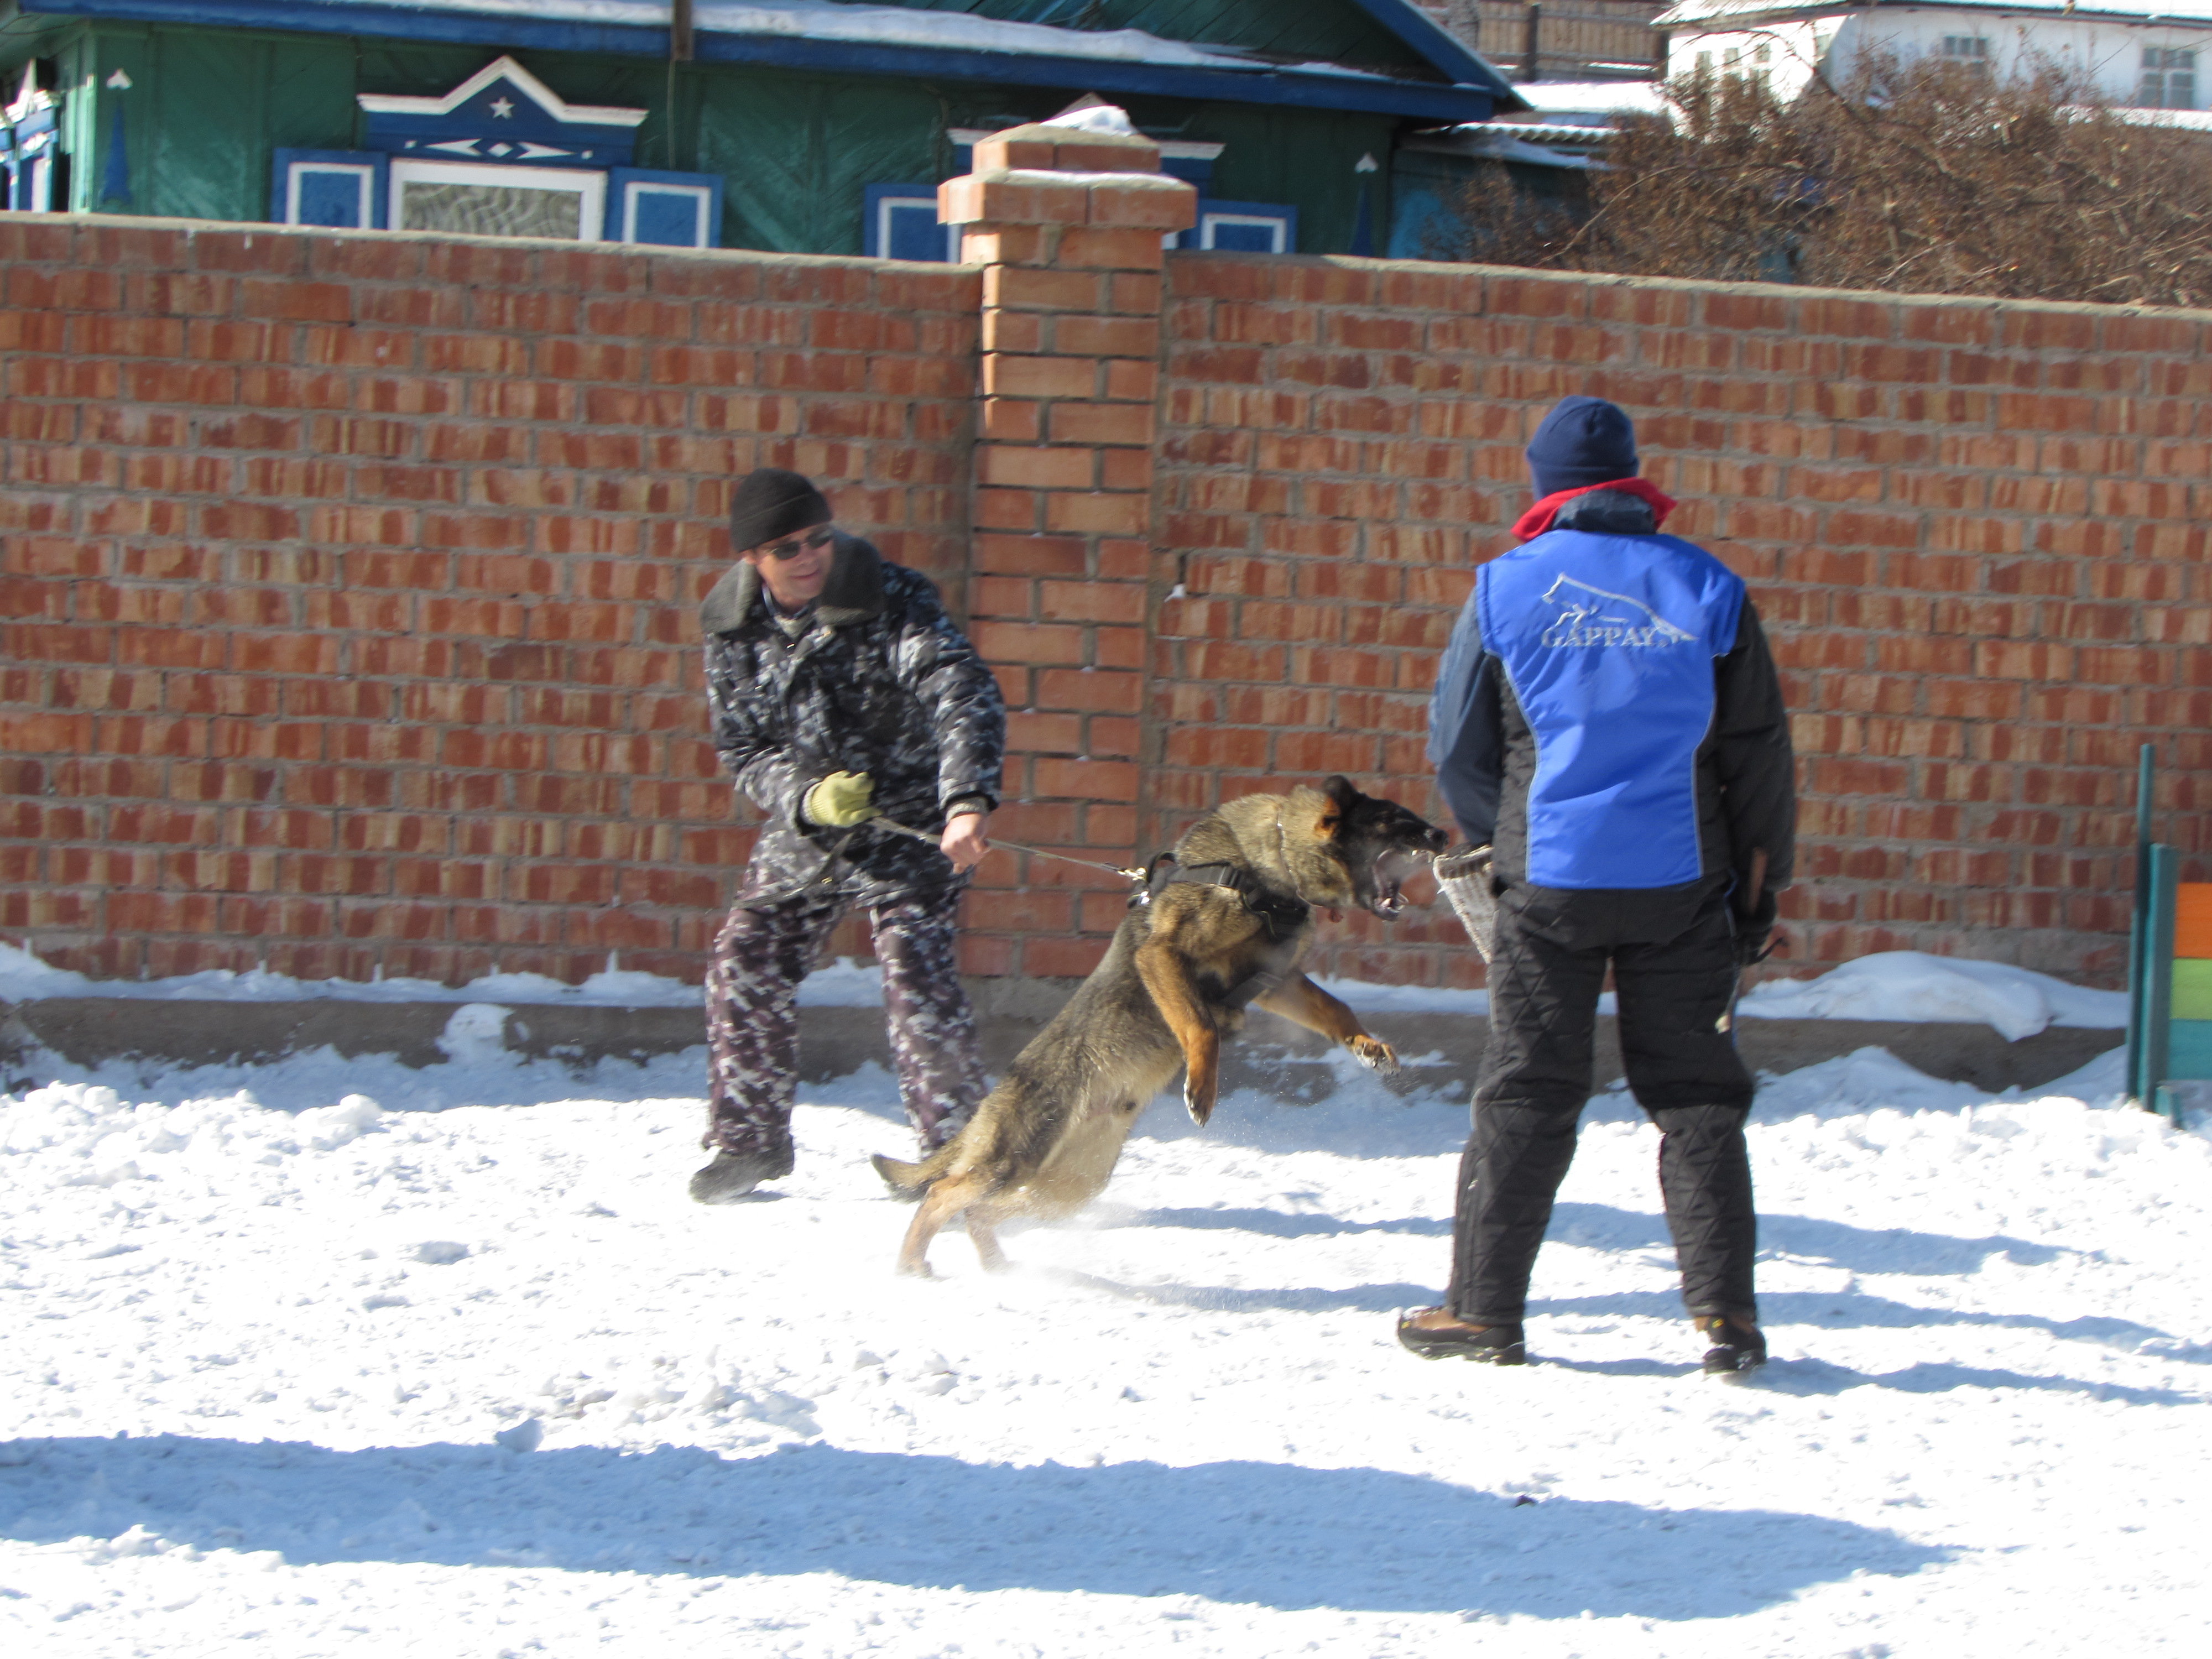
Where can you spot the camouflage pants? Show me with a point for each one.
(752, 1025)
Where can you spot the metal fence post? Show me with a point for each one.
(2139, 1081)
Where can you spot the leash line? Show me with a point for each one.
(1140, 876)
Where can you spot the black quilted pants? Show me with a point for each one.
(1674, 966)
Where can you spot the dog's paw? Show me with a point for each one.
(1199, 1102)
(1374, 1054)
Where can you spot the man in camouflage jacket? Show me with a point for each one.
(839, 690)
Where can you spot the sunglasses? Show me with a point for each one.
(812, 542)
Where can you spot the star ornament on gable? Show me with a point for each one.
(502, 107)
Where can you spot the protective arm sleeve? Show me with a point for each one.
(936, 663)
(1752, 757)
(1467, 737)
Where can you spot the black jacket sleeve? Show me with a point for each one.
(1752, 757)
(1467, 739)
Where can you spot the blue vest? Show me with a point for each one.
(1608, 642)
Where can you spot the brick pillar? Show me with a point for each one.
(1067, 227)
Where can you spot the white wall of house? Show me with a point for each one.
(2109, 51)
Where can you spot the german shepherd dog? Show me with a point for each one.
(1230, 918)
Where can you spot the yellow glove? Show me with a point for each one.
(839, 800)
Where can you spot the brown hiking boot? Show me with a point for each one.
(1439, 1333)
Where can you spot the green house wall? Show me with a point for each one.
(206, 108)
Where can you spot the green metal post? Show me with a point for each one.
(2139, 1080)
(2158, 970)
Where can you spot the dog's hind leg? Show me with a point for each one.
(945, 1199)
(983, 1234)
(1304, 1003)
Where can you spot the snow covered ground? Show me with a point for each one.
(295, 1370)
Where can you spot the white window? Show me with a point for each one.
(471, 200)
(2169, 78)
(1966, 48)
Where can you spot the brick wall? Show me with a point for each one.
(1975, 532)
(349, 578)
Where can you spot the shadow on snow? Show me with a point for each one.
(1601, 1226)
(1274, 1534)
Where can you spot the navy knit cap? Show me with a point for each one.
(1582, 441)
(770, 504)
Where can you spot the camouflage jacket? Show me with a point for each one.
(882, 683)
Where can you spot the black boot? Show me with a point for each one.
(1437, 1333)
(1737, 1348)
(733, 1176)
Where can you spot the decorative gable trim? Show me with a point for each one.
(556, 107)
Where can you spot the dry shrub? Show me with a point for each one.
(1920, 177)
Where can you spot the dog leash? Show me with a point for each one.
(1140, 876)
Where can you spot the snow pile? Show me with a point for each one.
(893, 26)
(1896, 985)
(1093, 117)
(355, 1377)
(1909, 985)
(24, 978)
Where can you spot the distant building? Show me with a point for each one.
(1571, 40)
(788, 125)
(2142, 56)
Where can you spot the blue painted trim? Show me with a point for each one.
(115, 182)
(1351, 93)
(873, 198)
(379, 181)
(1282, 212)
(619, 180)
(384, 22)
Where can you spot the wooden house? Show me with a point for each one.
(790, 125)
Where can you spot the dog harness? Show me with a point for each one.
(1281, 914)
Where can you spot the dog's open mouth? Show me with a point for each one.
(1389, 880)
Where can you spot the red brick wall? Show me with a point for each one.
(1975, 532)
(348, 580)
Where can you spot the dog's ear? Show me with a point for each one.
(1342, 798)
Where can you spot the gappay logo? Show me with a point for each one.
(1590, 616)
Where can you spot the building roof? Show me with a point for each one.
(1746, 13)
(1429, 74)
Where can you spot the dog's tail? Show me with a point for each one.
(910, 1181)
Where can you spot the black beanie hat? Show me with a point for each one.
(770, 504)
(1582, 441)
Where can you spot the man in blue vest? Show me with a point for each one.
(1608, 718)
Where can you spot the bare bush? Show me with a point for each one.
(1920, 177)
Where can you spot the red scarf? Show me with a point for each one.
(1538, 519)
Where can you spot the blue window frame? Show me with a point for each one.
(1243, 227)
(340, 189)
(900, 222)
(664, 210)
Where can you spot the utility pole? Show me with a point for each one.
(1531, 45)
